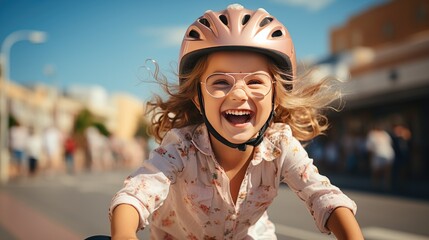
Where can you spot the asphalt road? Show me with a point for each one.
(75, 207)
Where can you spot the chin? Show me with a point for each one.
(240, 138)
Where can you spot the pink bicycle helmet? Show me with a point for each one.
(237, 28)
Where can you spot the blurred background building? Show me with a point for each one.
(118, 121)
(382, 54)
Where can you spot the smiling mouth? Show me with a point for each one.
(238, 116)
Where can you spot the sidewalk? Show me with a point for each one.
(19, 221)
(58, 206)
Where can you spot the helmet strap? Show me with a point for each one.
(242, 146)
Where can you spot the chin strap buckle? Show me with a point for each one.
(242, 147)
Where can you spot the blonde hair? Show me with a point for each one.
(299, 102)
(303, 101)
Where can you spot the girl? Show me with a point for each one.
(230, 135)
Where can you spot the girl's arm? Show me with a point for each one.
(124, 223)
(343, 224)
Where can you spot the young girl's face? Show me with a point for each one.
(238, 108)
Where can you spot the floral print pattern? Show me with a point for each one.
(184, 192)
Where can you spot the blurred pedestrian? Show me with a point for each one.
(332, 155)
(52, 143)
(18, 143)
(34, 151)
(117, 147)
(401, 136)
(69, 151)
(99, 149)
(350, 151)
(133, 153)
(379, 145)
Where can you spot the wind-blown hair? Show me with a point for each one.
(179, 109)
(303, 101)
(299, 102)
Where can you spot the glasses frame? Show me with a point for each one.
(232, 74)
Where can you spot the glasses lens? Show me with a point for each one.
(257, 85)
(219, 85)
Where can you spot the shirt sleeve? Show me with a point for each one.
(319, 195)
(148, 187)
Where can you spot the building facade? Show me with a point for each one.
(386, 51)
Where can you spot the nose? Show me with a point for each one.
(238, 94)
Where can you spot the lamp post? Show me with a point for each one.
(9, 41)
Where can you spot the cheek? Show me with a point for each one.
(264, 107)
(212, 106)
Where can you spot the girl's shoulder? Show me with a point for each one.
(177, 145)
(179, 135)
(277, 130)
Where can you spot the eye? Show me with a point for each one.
(254, 81)
(258, 80)
(220, 82)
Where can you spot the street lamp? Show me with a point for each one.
(9, 41)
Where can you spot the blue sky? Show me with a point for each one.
(105, 42)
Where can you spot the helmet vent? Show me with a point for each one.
(265, 21)
(245, 19)
(194, 34)
(277, 33)
(204, 22)
(224, 19)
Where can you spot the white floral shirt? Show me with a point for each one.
(184, 193)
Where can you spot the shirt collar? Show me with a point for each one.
(267, 150)
(201, 140)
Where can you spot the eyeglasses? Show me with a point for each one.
(257, 84)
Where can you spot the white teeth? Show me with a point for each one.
(238, 112)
